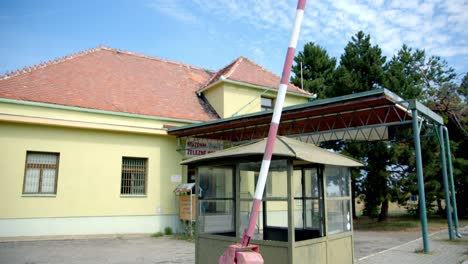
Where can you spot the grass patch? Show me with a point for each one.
(421, 251)
(168, 231)
(457, 242)
(401, 223)
(157, 234)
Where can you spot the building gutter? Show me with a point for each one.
(25, 119)
(95, 111)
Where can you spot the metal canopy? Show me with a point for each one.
(361, 116)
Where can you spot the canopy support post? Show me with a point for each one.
(419, 173)
(448, 207)
(452, 186)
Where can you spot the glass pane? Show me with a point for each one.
(31, 182)
(276, 185)
(48, 181)
(313, 218)
(133, 176)
(245, 210)
(337, 181)
(268, 102)
(216, 216)
(139, 183)
(308, 209)
(297, 183)
(277, 213)
(311, 182)
(215, 183)
(339, 216)
(42, 158)
(276, 222)
(248, 182)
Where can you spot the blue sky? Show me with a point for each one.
(211, 34)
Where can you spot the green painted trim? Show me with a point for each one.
(94, 111)
(422, 109)
(223, 80)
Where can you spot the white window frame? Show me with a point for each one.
(42, 166)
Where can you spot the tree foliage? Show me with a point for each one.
(389, 174)
(317, 69)
(360, 69)
(402, 74)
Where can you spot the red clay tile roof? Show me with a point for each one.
(247, 71)
(108, 79)
(113, 80)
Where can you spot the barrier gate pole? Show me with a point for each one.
(274, 124)
(248, 233)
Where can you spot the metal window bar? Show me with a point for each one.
(133, 176)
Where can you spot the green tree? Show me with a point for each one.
(402, 74)
(390, 171)
(317, 69)
(447, 98)
(360, 69)
(459, 144)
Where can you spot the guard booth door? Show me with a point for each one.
(308, 207)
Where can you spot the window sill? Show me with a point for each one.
(133, 196)
(38, 195)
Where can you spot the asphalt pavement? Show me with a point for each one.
(370, 247)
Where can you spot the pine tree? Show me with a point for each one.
(360, 69)
(317, 69)
(402, 75)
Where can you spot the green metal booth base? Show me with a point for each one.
(305, 215)
(336, 249)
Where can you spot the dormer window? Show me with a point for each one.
(266, 103)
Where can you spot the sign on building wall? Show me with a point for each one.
(197, 147)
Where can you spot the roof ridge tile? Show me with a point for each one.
(159, 59)
(58, 60)
(234, 66)
(218, 73)
(266, 70)
(55, 61)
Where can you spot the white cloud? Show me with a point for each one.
(439, 26)
(173, 9)
(405, 4)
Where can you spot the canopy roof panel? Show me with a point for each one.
(360, 116)
(284, 147)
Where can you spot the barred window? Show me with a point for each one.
(41, 173)
(133, 176)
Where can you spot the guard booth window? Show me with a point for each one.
(308, 204)
(272, 223)
(338, 199)
(216, 200)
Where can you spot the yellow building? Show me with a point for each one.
(84, 141)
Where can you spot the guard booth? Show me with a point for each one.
(306, 208)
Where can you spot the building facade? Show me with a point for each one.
(84, 141)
